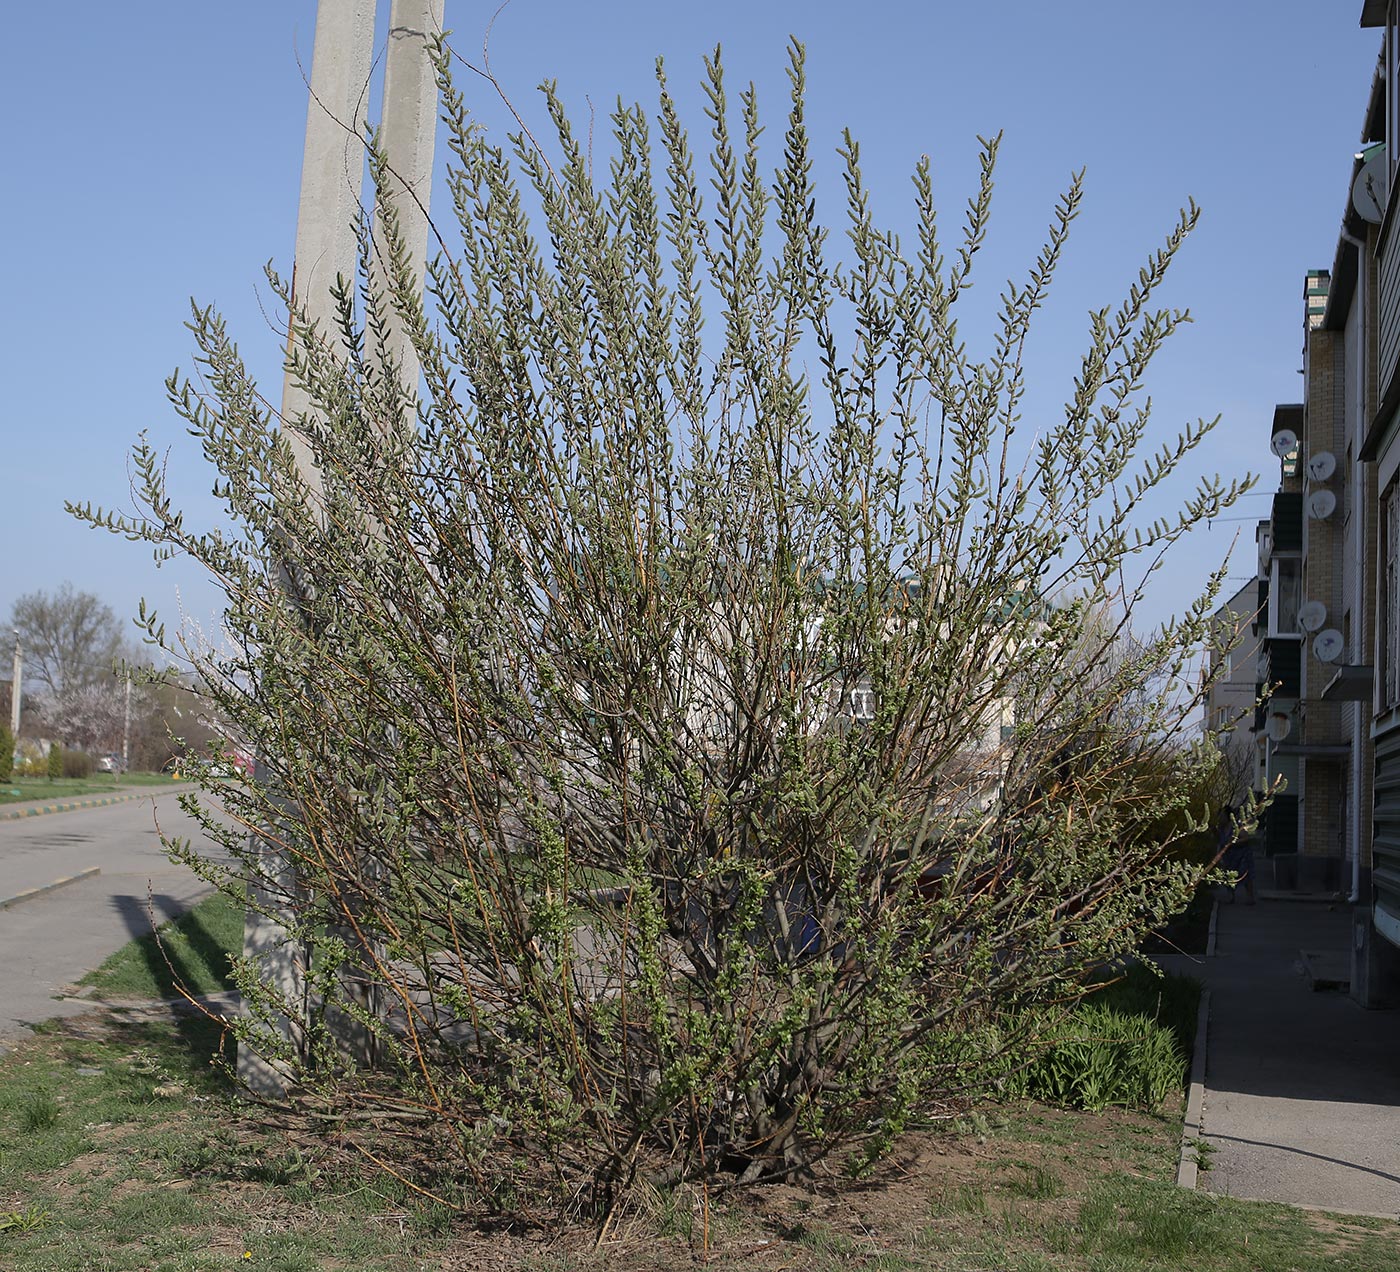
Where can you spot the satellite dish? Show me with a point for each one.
(1370, 188)
(1322, 465)
(1279, 726)
(1312, 615)
(1328, 644)
(1321, 504)
(1284, 442)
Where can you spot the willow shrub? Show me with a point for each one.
(674, 734)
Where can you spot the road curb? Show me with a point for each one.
(30, 893)
(72, 805)
(1188, 1161)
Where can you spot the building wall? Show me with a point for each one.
(1323, 779)
(1359, 556)
(1232, 674)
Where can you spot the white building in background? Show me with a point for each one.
(1233, 673)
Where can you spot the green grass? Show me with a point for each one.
(143, 1160)
(962, 1199)
(1127, 1043)
(25, 789)
(145, 779)
(37, 1111)
(122, 1149)
(1144, 1225)
(189, 953)
(1033, 1181)
(1168, 999)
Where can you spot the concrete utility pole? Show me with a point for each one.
(16, 685)
(331, 182)
(407, 133)
(126, 725)
(408, 122)
(331, 178)
(332, 175)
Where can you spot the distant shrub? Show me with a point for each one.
(32, 761)
(55, 761)
(78, 764)
(7, 754)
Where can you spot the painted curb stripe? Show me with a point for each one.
(30, 893)
(39, 811)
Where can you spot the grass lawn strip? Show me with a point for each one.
(122, 1149)
(41, 788)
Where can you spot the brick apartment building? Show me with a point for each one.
(1328, 593)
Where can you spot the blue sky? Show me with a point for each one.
(155, 154)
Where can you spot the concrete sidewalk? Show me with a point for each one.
(1302, 1086)
(50, 939)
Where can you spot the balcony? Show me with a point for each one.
(1284, 660)
(1286, 523)
(1281, 826)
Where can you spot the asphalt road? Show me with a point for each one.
(48, 942)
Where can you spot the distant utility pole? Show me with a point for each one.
(16, 685)
(331, 194)
(126, 725)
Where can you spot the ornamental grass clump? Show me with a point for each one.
(687, 720)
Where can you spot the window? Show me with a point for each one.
(1284, 596)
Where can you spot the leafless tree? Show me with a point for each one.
(71, 639)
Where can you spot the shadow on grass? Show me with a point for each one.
(185, 960)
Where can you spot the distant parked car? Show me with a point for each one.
(233, 764)
(111, 764)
